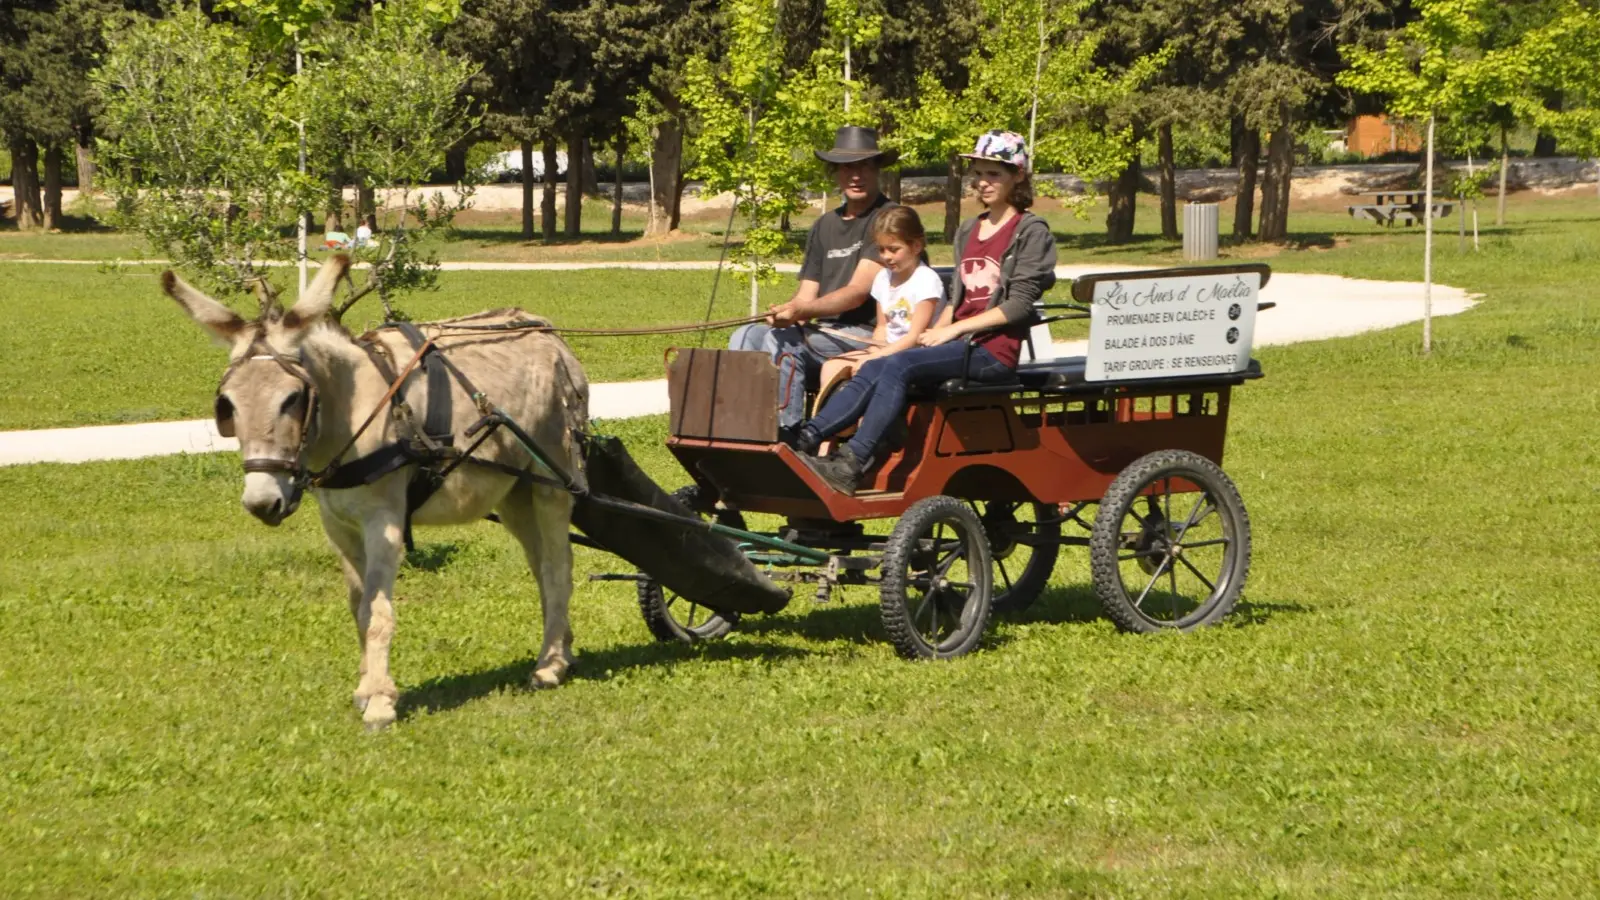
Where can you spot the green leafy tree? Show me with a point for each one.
(1562, 52)
(1436, 69)
(47, 47)
(1033, 71)
(759, 124)
(920, 39)
(202, 146)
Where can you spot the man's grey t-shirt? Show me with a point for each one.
(833, 248)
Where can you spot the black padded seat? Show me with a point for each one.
(1044, 373)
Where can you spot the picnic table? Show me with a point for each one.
(1404, 207)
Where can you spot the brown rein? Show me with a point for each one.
(394, 388)
(528, 325)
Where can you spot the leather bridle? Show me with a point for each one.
(295, 466)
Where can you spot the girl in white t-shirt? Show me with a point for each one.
(907, 292)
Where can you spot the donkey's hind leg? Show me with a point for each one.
(539, 519)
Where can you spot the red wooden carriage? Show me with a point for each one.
(988, 481)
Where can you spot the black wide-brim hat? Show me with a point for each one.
(852, 143)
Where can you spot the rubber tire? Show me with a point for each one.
(653, 601)
(892, 585)
(1027, 587)
(1105, 543)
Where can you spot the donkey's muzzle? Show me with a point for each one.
(270, 497)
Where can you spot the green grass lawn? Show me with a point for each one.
(1404, 705)
(83, 346)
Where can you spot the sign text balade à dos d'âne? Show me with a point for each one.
(1167, 327)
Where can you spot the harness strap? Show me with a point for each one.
(369, 468)
(437, 418)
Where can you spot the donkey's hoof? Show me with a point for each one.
(379, 713)
(548, 676)
(360, 702)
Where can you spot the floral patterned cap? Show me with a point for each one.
(1002, 146)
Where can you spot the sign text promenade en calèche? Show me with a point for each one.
(1167, 327)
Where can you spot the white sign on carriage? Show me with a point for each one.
(1167, 327)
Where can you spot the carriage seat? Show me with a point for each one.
(1043, 373)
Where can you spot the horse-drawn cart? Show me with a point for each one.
(1118, 451)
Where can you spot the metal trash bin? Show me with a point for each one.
(1200, 231)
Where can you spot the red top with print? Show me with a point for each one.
(980, 278)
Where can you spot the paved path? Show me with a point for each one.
(1310, 307)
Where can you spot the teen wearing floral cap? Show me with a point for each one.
(1005, 260)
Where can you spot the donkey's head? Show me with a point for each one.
(267, 398)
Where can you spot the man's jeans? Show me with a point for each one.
(799, 353)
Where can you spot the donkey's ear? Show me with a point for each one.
(318, 298)
(223, 323)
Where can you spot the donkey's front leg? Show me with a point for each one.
(346, 539)
(384, 544)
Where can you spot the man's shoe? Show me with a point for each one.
(841, 471)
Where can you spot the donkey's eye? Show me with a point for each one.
(290, 402)
(224, 409)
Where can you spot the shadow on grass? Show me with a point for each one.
(847, 620)
(70, 224)
(452, 691)
(1062, 604)
(1248, 613)
(432, 557)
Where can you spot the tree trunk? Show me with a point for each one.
(889, 183)
(616, 188)
(1505, 163)
(455, 162)
(54, 159)
(1244, 206)
(86, 171)
(1169, 184)
(25, 185)
(1124, 197)
(574, 219)
(1544, 145)
(591, 176)
(366, 199)
(952, 200)
(1236, 137)
(666, 158)
(547, 205)
(527, 189)
(1275, 187)
(333, 208)
(676, 216)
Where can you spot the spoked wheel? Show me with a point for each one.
(1023, 542)
(935, 587)
(1171, 544)
(673, 618)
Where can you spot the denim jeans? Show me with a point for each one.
(799, 353)
(877, 393)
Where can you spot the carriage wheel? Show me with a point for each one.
(1171, 544)
(1023, 543)
(935, 586)
(672, 618)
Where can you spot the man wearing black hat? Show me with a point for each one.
(835, 280)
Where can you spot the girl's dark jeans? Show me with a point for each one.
(877, 393)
